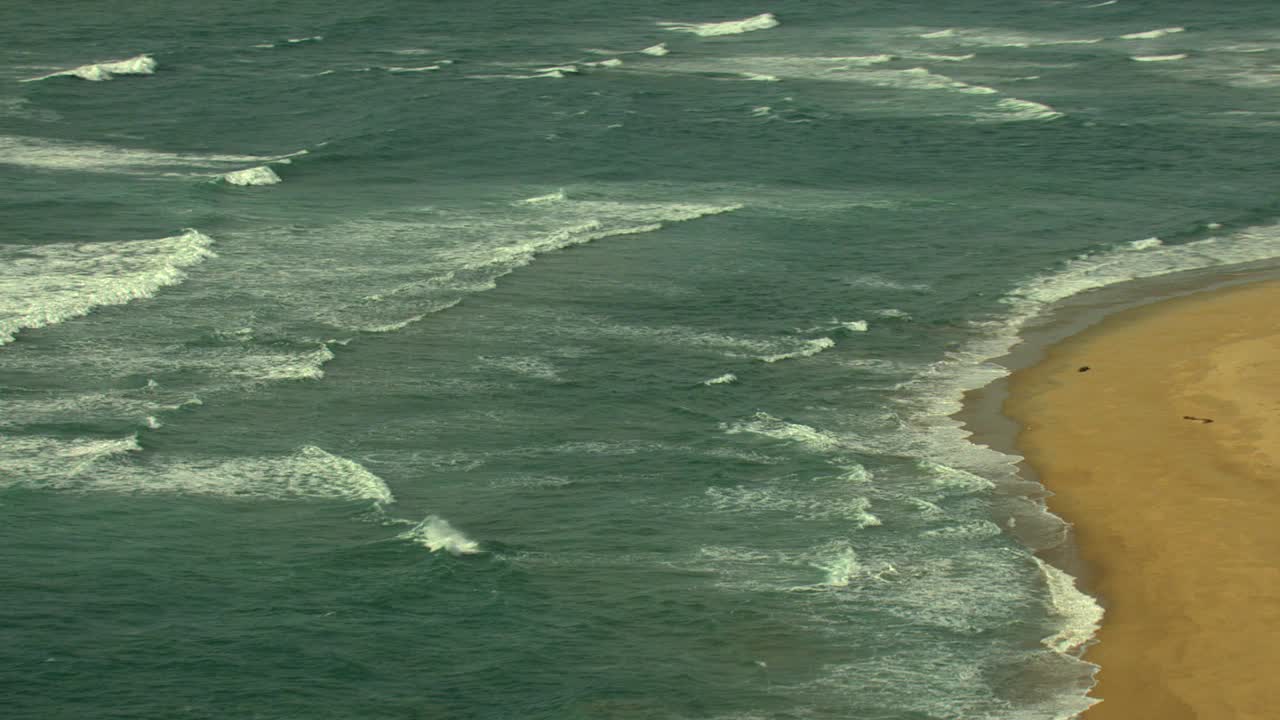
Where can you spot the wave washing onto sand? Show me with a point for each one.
(1081, 615)
(435, 533)
(43, 285)
(956, 464)
(763, 21)
(61, 155)
(97, 72)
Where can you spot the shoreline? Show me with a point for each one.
(1170, 526)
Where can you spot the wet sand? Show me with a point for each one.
(1164, 455)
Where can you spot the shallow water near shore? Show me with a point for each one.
(364, 361)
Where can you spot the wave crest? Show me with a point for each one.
(763, 21)
(97, 72)
(43, 285)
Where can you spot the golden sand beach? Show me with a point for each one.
(1158, 431)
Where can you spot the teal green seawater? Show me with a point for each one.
(576, 360)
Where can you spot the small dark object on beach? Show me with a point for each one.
(1192, 417)
(1083, 368)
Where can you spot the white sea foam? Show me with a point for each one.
(61, 155)
(920, 79)
(1018, 110)
(528, 366)
(96, 72)
(1146, 244)
(261, 175)
(855, 326)
(610, 63)
(87, 465)
(656, 50)
(763, 423)
(557, 196)
(724, 379)
(941, 58)
(991, 37)
(424, 68)
(312, 38)
(43, 285)
(435, 533)
(763, 21)
(810, 504)
(1159, 58)
(1104, 3)
(810, 348)
(841, 569)
(1080, 614)
(1153, 34)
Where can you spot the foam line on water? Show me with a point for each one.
(1158, 58)
(43, 285)
(1153, 34)
(119, 466)
(97, 72)
(47, 154)
(808, 349)
(763, 21)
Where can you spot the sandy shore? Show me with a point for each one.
(1165, 457)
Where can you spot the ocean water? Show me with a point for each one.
(488, 360)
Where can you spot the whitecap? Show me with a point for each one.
(1018, 110)
(1153, 34)
(763, 21)
(91, 465)
(435, 533)
(50, 154)
(424, 68)
(656, 50)
(1146, 244)
(43, 285)
(97, 72)
(763, 423)
(810, 348)
(557, 196)
(261, 175)
(724, 379)
(855, 326)
(806, 504)
(1159, 58)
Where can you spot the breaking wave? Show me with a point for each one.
(435, 533)
(763, 21)
(261, 175)
(810, 348)
(43, 285)
(97, 72)
(1153, 34)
